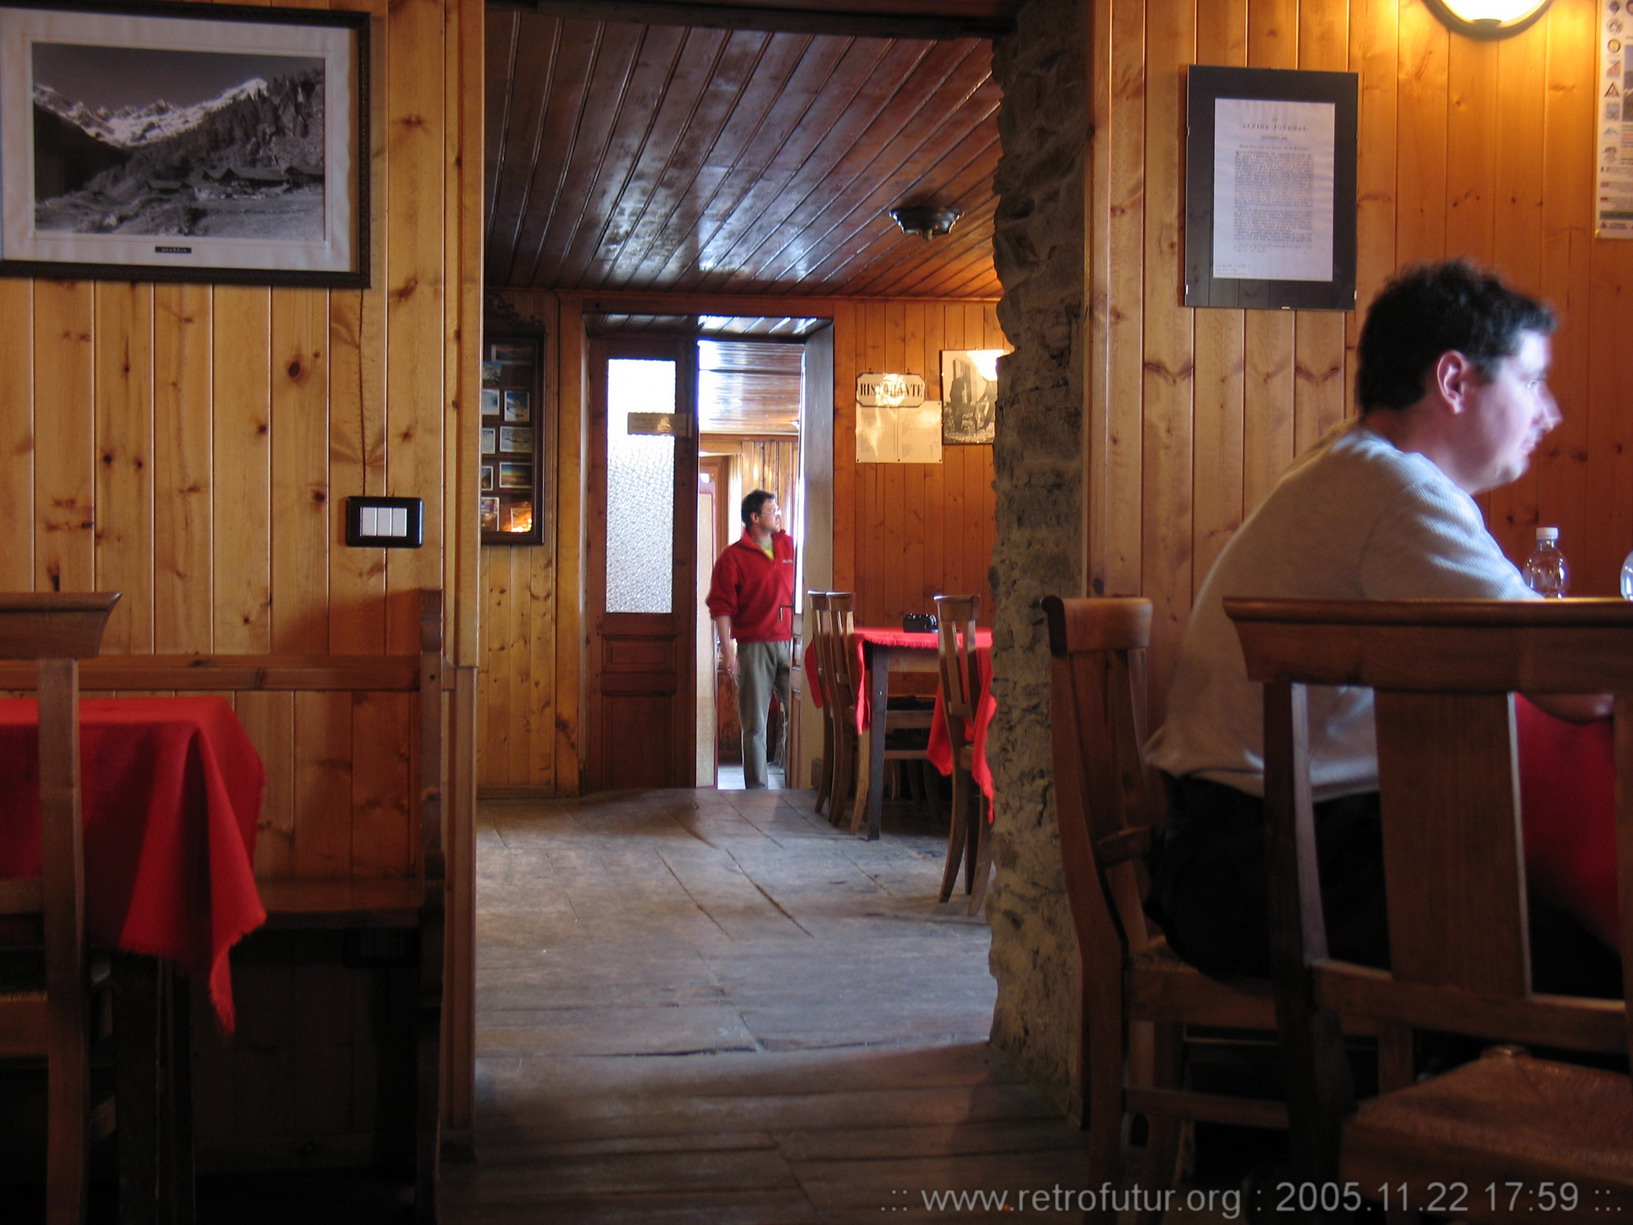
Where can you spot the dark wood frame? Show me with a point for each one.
(525, 377)
(1207, 84)
(342, 262)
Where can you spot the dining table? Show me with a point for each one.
(170, 802)
(885, 651)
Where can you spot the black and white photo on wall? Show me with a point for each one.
(184, 142)
(969, 396)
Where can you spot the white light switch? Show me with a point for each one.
(391, 523)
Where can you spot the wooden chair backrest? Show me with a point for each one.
(814, 658)
(1443, 674)
(842, 662)
(1107, 799)
(960, 679)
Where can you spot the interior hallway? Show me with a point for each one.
(714, 1006)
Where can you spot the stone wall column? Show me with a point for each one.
(1041, 244)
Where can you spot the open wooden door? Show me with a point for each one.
(642, 587)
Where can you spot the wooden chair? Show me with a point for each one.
(816, 672)
(57, 631)
(846, 664)
(968, 843)
(1510, 1129)
(1138, 1002)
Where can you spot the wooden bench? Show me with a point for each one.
(350, 837)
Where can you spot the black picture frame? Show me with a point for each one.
(512, 506)
(233, 180)
(1206, 85)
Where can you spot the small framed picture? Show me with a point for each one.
(491, 402)
(490, 374)
(511, 353)
(487, 478)
(519, 517)
(516, 438)
(515, 476)
(517, 407)
(490, 513)
(490, 439)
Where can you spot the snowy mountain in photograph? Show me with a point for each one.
(132, 126)
(248, 163)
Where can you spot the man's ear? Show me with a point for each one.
(1454, 373)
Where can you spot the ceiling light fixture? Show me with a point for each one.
(1488, 18)
(925, 220)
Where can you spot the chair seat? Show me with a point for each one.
(1503, 1118)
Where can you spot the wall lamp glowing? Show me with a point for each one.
(1488, 18)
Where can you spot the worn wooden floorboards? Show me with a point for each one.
(699, 1006)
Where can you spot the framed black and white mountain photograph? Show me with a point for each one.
(184, 143)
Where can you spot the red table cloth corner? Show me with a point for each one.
(171, 800)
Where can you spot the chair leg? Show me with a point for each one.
(957, 829)
(1101, 1060)
(1165, 1133)
(979, 849)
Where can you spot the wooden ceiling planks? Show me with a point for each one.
(665, 158)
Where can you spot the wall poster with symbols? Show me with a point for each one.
(1613, 188)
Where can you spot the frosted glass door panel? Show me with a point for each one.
(640, 489)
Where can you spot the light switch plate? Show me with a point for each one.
(385, 523)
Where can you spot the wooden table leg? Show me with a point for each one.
(153, 1088)
(878, 703)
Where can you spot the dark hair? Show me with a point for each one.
(1430, 309)
(754, 503)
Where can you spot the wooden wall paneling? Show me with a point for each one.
(871, 545)
(1221, 38)
(1570, 99)
(528, 597)
(183, 585)
(322, 752)
(357, 464)
(847, 356)
(569, 494)
(1268, 438)
(269, 721)
(1118, 571)
(992, 337)
(64, 515)
(1373, 55)
(896, 586)
(915, 513)
(1168, 376)
(497, 720)
(939, 525)
(1421, 187)
(301, 534)
(1318, 336)
(241, 467)
(417, 299)
(383, 786)
(550, 602)
(1093, 369)
(125, 468)
(1516, 118)
(17, 439)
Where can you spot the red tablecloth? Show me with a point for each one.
(941, 749)
(172, 795)
(1568, 796)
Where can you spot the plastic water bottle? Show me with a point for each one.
(1545, 570)
(1627, 577)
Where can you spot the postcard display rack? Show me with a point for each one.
(512, 486)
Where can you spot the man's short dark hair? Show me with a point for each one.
(754, 503)
(1430, 309)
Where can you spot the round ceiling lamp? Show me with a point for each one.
(1488, 18)
(925, 220)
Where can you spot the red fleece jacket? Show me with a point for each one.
(755, 591)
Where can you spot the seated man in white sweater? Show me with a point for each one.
(1452, 385)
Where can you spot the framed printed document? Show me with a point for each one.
(1270, 189)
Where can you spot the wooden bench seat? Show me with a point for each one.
(350, 838)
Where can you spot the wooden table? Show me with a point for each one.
(171, 792)
(884, 651)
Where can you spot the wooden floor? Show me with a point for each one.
(699, 1006)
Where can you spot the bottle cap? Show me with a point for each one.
(1547, 533)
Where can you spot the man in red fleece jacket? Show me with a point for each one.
(751, 598)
